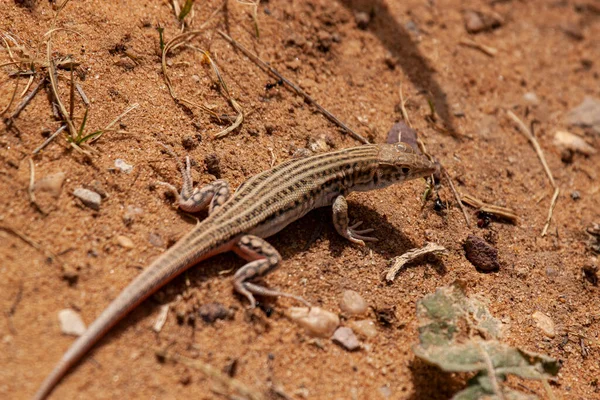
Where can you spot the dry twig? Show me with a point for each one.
(529, 135)
(29, 241)
(457, 197)
(47, 141)
(490, 51)
(411, 255)
(26, 101)
(498, 211)
(403, 108)
(266, 67)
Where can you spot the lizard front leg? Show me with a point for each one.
(340, 221)
(191, 199)
(263, 258)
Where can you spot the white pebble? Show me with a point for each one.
(316, 321)
(71, 322)
(573, 142)
(51, 184)
(125, 242)
(89, 198)
(346, 338)
(352, 303)
(365, 328)
(545, 323)
(123, 166)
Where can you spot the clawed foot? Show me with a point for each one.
(358, 236)
(251, 288)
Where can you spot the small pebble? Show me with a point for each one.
(190, 142)
(316, 321)
(531, 98)
(126, 63)
(545, 323)
(352, 303)
(385, 391)
(121, 165)
(88, 198)
(570, 141)
(476, 21)
(156, 240)
(365, 328)
(586, 114)
(346, 338)
(161, 319)
(130, 214)
(302, 152)
(51, 184)
(575, 195)
(362, 19)
(125, 242)
(71, 322)
(481, 254)
(211, 312)
(318, 145)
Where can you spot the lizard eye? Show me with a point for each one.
(405, 170)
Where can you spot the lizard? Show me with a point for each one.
(260, 207)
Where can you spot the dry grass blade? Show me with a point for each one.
(47, 141)
(403, 108)
(54, 85)
(266, 67)
(96, 135)
(457, 197)
(254, 5)
(498, 211)
(523, 128)
(401, 261)
(12, 98)
(230, 383)
(180, 40)
(551, 210)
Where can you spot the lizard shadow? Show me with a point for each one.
(398, 42)
(316, 225)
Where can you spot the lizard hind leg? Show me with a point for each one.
(262, 258)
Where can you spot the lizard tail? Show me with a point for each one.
(177, 259)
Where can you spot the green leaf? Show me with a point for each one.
(458, 334)
(90, 136)
(187, 7)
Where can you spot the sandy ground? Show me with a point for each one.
(353, 67)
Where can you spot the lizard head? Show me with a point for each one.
(398, 162)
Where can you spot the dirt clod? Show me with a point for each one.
(481, 254)
(213, 165)
(211, 312)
